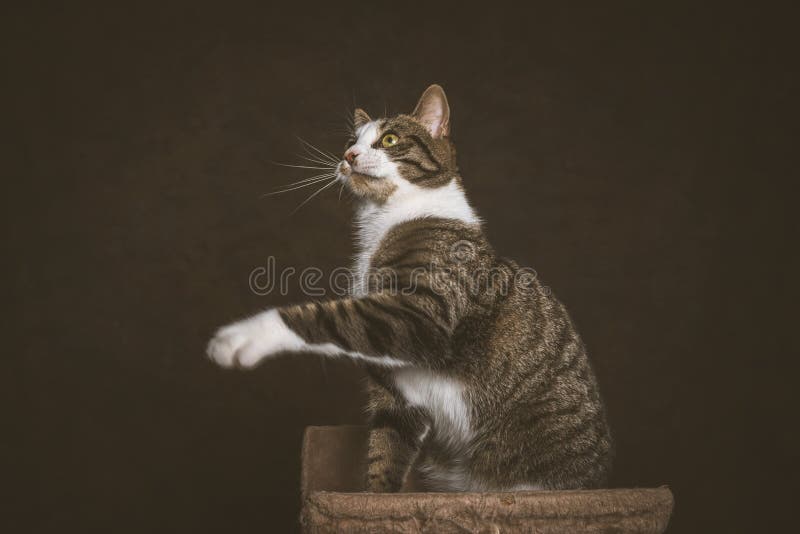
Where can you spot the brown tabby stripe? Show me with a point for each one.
(415, 327)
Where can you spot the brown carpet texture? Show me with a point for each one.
(333, 468)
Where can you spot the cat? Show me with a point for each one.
(477, 376)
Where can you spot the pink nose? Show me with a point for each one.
(351, 155)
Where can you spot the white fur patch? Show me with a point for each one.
(367, 134)
(248, 342)
(442, 397)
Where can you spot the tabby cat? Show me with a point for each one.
(478, 377)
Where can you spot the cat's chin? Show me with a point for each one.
(365, 186)
(369, 187)
(361, 176)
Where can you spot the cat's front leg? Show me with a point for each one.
(385, 331)
(396, 433)
(245, 343)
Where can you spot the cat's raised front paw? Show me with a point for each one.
(246, 343)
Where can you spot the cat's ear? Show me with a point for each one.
(360, 118)
(433, 112)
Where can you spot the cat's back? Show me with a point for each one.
(537, 384)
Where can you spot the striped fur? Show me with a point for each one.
(477, 374)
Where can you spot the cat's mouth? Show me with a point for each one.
(345, 171)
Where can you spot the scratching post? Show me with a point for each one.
(332, 482)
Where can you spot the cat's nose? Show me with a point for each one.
(351, 155)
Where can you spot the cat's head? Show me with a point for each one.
(388, 156)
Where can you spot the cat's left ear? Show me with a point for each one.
(360, 118)
(433, 112)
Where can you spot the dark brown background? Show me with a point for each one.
(634, 157)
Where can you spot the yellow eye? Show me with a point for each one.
(389, 140)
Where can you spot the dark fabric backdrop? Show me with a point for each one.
(633, 156)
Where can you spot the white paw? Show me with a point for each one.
(247, 342)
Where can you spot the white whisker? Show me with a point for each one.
(302, 185)
(328, 160)
(272, 193)
(313, 160)
(304, 166)
(310, 179)
(317, 192)
(324, 155)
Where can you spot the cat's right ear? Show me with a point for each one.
(360, 118)
(433, 112)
